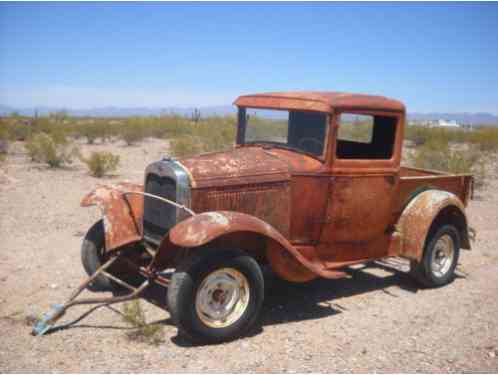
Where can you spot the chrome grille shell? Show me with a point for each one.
(168, 169)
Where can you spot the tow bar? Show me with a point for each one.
(47, 321)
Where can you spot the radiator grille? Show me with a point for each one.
(159, 217)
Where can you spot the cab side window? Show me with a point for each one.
(366, 136)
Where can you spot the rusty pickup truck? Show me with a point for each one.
(312, 185)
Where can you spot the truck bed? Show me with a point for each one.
(416, 179)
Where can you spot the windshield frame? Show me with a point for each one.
(242, 126)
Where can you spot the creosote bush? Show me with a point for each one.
(134, 315)
(208, 135)
(101, 163)
(93, 131)
(51, 149)
(436, 154)
(133, 131)
(5, 138)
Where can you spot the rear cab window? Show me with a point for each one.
(366, 136)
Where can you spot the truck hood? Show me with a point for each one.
(246, 165)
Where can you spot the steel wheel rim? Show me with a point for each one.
(442, 255)
(222, 298)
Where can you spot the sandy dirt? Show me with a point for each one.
(376, 321)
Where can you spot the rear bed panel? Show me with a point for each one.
(414, 180)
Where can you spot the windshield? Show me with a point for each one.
(297, 130)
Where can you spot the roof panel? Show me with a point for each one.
(320, 101)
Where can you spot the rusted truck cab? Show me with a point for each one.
(312, 185)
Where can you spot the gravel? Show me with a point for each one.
(376, 321)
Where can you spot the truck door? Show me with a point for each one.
(363, 185)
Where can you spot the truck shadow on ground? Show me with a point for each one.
(287, 302)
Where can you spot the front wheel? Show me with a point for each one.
(440, 258)
(94, 255)
(216, 296)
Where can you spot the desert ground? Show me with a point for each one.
(378, 320)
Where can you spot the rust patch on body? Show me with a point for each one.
(122, 214)
(418, 216)
(320, 101)
(206, 227)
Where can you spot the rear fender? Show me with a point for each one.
(428, 208)
(204, 228)
(122, 214)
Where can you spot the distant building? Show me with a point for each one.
(441, 123)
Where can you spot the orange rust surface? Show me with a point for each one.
(310, 215)
(122, 215)
(286, 266)
(418, 216)
(245, 165)
(203, 228)
(269, 202)
(319, 101)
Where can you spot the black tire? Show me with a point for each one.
(185, 284)
(93, 256)
(426, 272)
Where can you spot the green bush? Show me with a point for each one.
(132, 131)
(134, 315)
(51, 150)
(208, 135)
(437, 155)
(101, 163)
(5, 138)
(486, 139)
(185, 146)
(93, 131)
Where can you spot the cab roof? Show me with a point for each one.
(320, 101)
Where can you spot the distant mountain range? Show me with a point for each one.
(464, 118)
(118, 111)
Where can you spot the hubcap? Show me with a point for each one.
(442, 256)
(222, 297)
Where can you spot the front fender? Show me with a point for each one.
(203, 228)
(418, 216)
(122, 214)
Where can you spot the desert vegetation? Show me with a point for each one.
(134, 315)
(53, 140)
(101, 163)
(454, 151)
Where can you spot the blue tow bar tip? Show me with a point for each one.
(46, 322)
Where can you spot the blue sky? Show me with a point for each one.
(434, 57)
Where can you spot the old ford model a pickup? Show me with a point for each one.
(313, 184)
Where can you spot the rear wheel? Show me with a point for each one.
(216, 296)
(440, 258)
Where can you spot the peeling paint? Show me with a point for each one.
(122, 216)
(418, 216)
(218, 218)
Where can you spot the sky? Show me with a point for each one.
(435, 57)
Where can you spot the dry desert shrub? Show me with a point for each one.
(134, 315)
(97, 129)
(53, 150)
(437, 154)
(132, 131)
(5, 138)
(208, 135)
(101, 163)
